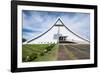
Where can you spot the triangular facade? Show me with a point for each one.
(57, 33)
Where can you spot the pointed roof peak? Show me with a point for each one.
(59, 22)
(59, 18)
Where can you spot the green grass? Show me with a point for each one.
(50, 55)
(39, 52)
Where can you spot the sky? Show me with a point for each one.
(37, 22)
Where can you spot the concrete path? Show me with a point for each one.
(73, 52)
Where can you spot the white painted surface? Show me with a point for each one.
(48, 37)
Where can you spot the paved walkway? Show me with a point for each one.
(61, 53)
(72, 52)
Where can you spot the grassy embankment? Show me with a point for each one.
(39, 52)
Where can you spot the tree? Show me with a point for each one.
(23, 40)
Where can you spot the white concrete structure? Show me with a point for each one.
(52, 35)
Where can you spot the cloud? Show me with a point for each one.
(79, 23)
(36, 22)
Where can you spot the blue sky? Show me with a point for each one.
(36, 22)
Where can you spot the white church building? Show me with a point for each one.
(58, 33)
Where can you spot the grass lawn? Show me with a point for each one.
(39, 52)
